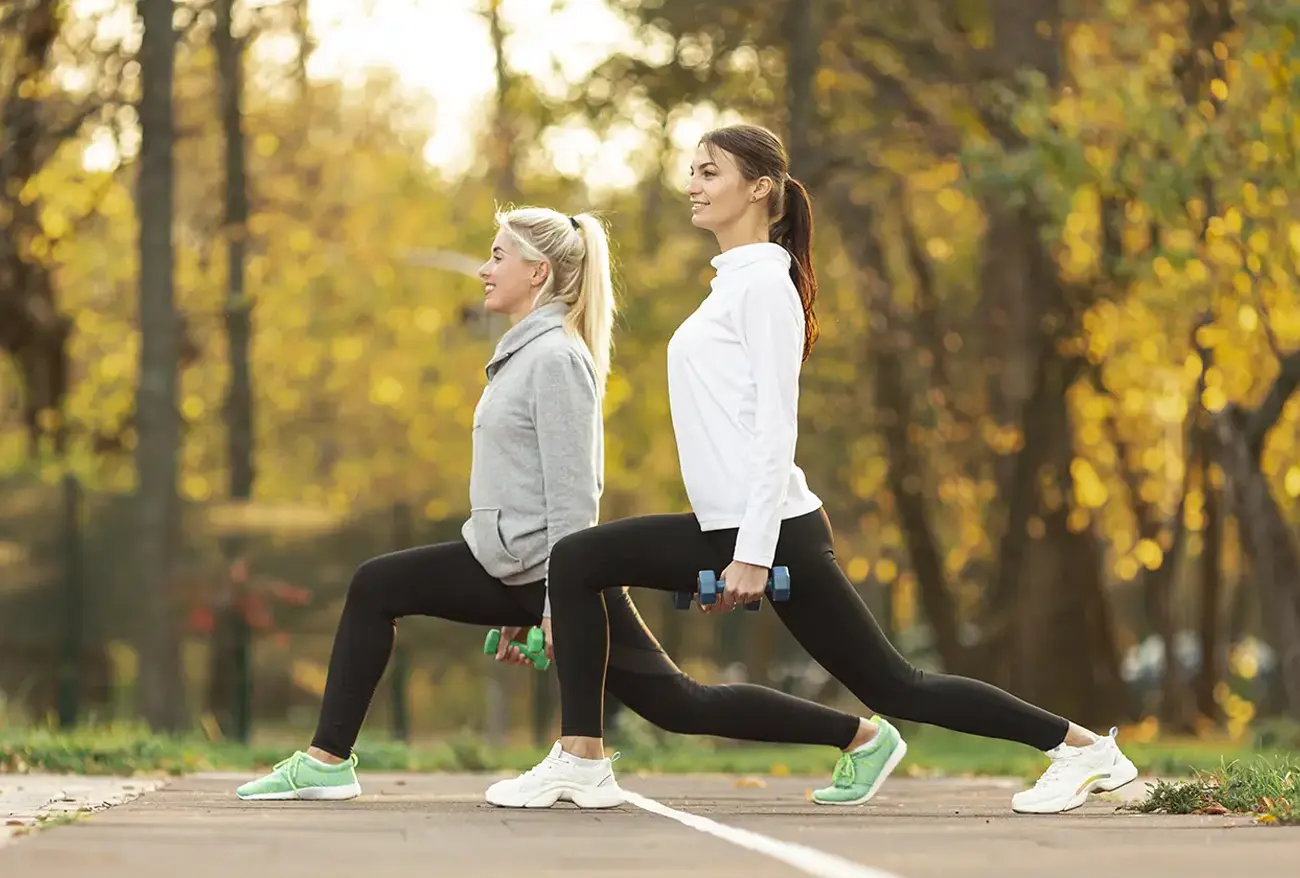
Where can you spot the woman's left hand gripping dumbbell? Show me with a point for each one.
(509, 653)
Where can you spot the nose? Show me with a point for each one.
(483, 271)
(693, 186)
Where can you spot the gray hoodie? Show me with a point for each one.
(539, 457)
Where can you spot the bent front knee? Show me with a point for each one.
(570, 568)
(368, 584)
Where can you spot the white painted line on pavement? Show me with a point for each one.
(808, 860)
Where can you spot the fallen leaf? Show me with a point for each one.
(746, 783)
(13, 823)
(779, 770)
(1214, 808)
(1265, 818)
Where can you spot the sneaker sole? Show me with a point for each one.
(1049, 808)
(307, 794)
(1122, 775)
(890, 764)
(581, 797)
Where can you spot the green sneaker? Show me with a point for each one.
(860, 773)
(304, 777)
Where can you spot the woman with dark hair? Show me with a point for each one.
(733, 382)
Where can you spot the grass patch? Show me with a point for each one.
(126, 750)
(1267, 788)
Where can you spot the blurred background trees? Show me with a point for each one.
(1051, 413)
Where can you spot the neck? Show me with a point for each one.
(742, 233)
(523, 312)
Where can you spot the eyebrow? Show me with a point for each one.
(704, 165)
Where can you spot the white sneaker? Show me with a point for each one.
(587, 783)
(1074, 773)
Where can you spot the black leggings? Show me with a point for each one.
(824, 613)
(446, 582)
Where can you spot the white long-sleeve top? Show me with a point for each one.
(733, 386)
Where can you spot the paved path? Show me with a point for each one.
(30, 799)
(433, 825)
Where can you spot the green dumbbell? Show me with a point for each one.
(534, 650)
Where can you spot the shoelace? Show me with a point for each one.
(1057, 768)
(551, 763)
(846, 772)
(288, 769)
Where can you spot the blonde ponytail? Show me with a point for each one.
(581, 276)
(592, 315)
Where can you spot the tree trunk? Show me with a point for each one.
(230, 675)
(162, 688)
(306, 45)
(1061, 652)
(1175, 713)
(31, 328)
(1266, 538)
(506, 161)
(803, 36)
(1034, 643)
(1211, 591)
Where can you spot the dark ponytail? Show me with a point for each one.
(794, 231)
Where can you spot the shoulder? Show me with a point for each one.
(766, 287)
(562, 358)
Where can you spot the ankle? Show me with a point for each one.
(583, 747)
(322, 756)
(1078, 736)
(867, 731)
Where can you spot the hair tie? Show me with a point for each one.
(573, 222)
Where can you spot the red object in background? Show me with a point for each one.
(201, 620)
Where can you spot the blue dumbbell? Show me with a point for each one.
(778, 589)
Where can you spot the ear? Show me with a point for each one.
(541, 271)
(762, 188)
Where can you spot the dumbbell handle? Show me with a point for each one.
(722, 582)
